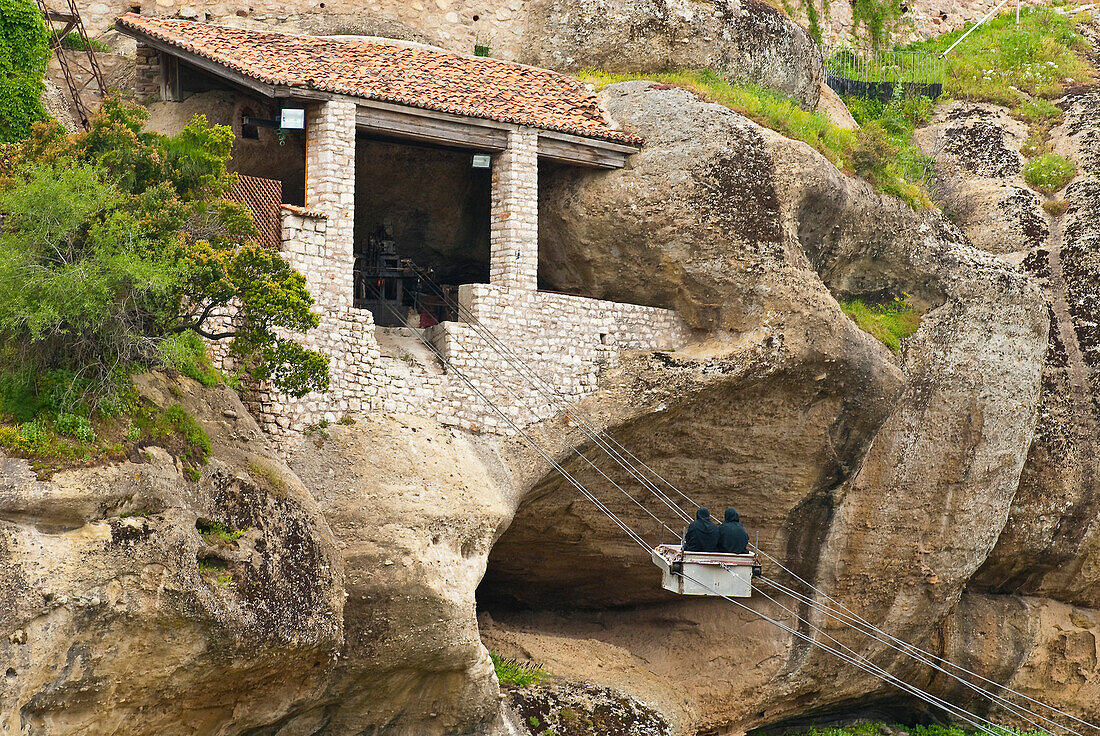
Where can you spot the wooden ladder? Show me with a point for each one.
(60, 24)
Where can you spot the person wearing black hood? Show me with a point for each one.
(732, 537)
(702, 534)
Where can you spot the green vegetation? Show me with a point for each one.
(212, 531)
(117, 247)
(1056, 207)
(882, 151)
(511, 671)
(75, 42)
(999, 61)
(876, 20)
(186, 353)
(1039, 110)
(1049, 172)
(24, 53)
(258, 469)
(45, 421)
(889, 323)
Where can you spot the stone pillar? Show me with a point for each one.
(514, 233)
(330, 190)
(147, 73)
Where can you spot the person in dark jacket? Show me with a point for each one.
(732, 537)
(702, 534)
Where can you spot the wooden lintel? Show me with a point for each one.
(425, 125)
(199, 62)
(579, 151)
(299, 93)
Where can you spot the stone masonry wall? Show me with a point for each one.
(566, 340)
(147, 73)
(514, 228)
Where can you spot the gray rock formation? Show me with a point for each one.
(915, 487)
(978, 177)
(745, 40)
(884, 479)
(415, 507)
(119, 616)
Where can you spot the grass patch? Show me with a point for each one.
(76, 43)
(510, 671)
(1039, 111)
(265, 472)
(1049, 172)
(56, 441)
(1056, 207)
(889, 323)
(175, 425)
(999, 61)
(881, 152)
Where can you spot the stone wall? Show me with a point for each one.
(567, 341)
(514, 228)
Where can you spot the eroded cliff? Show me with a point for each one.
(945, 492)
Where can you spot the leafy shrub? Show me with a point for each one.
(1049, 173)
(511, 671)
(24, 53)
(186, 353)
(75, 425)
(889, 323)
(118, 247)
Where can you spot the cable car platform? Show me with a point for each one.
(705, 573)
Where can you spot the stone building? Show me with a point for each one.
(395, 167)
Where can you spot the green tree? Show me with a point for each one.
(24, 53)
(117, 241)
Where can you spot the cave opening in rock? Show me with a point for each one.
(887, 709)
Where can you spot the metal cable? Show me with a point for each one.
(1016, 709)
(588, 428)
(909, 649)
(594, 434)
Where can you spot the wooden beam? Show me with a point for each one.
(432, 127)
(579, 151)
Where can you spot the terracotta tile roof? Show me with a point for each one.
(390, 72)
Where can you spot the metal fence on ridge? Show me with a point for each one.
(875, 74)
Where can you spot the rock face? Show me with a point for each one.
(885, 479)
(415, 508)
(978, 169)
(119, 616)
(746, 40)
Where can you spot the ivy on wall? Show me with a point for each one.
(24, 53)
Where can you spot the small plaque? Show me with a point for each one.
(482, 161)
(292, 118)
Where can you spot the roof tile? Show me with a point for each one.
(391, 72)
